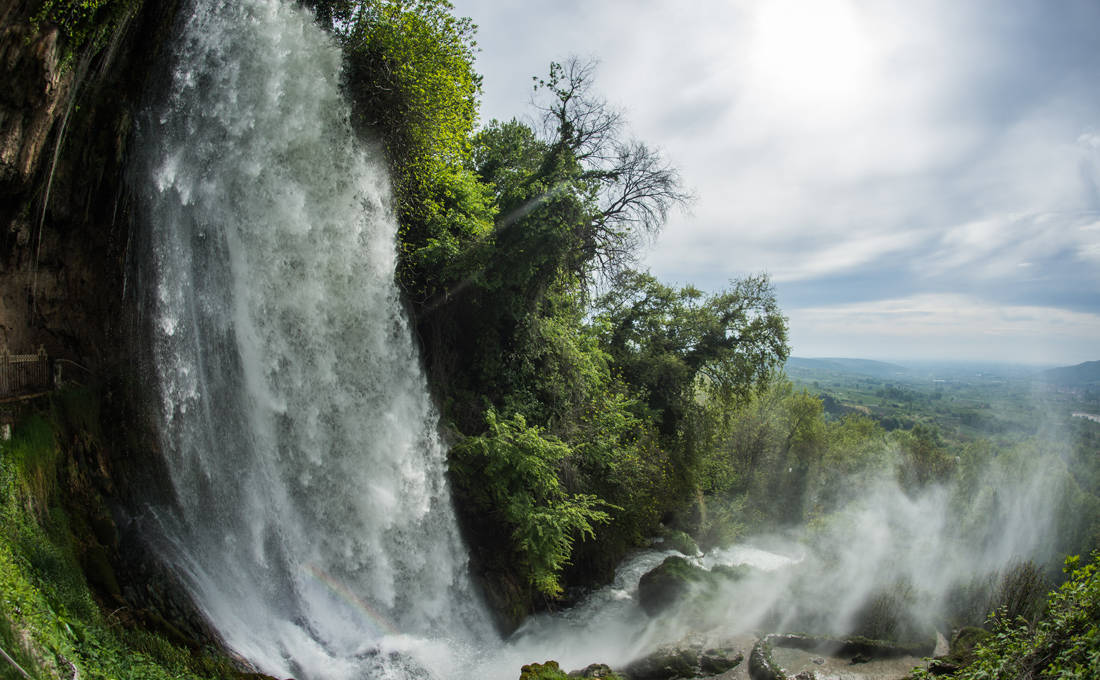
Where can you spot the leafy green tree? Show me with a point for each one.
(663, 340)
(855, 455)
(631, 188)
(766, 456)
(574, 197)
(924, 459)
(514, 468)
(409, 74)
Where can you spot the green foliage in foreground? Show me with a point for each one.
(1063, 645)
(50, 623)
(409, 72)
(518, 466)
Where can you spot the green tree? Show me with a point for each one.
(923, 457)
(630, 187)
(766, 456)
(514, 469)
(663, 340)
(409, 74)
(575, 197)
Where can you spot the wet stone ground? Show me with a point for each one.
(794, 661)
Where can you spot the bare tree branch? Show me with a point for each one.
(634, 187)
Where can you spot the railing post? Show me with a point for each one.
(5, 371)
(42, 368)
(24, 374)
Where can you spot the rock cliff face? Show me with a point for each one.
(65, 123)
(66, 225)
(36, 89)
(67, 243)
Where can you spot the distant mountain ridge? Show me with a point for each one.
(1080, 375)
(868, 367)
(1086, 374)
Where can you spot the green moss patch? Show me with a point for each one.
(51, 625)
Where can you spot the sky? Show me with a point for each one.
(920, 180)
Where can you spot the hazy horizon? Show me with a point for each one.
(911, 362)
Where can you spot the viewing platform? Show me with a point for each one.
(24, 376)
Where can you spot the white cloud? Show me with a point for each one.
(1090, 252)
(936, 326)
(1089, 140)
(844, 256)
(999, 246)
(828, 142)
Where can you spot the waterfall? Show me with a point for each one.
(313, 524)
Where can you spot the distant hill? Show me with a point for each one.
(1080, 375)
(867, 367)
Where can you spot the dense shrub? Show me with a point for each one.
(1063, 644)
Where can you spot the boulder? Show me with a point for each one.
(854, 647)
(595, 670)
(542, 671)
(681, 541)
(676, 579)
(761, 665)
(688, 661)
(664, 664)
(718, 661)
(670, 582)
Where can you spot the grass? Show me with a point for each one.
(50, 623)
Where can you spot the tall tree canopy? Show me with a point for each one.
(409, 74)
(663, 340)
(633, 186)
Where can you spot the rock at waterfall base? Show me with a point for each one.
(672, 662)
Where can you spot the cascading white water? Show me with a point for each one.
(314, 525)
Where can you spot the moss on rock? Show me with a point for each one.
(549, 670)
(761, 664)
(677, 579)
(669, 583)
(681, 542)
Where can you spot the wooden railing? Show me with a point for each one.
(22, 374)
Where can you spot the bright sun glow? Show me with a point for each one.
(812, 54)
